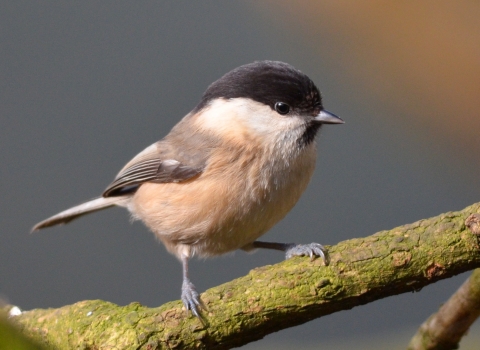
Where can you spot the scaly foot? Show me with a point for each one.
(312, 250)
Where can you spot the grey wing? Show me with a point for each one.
(150, 165)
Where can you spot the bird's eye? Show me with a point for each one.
(282, 108)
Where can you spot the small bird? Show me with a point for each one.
(227, 172)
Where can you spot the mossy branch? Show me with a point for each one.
(271, 298)
(444, 329)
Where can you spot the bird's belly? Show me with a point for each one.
(213, 216)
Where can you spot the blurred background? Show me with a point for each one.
(86, 86)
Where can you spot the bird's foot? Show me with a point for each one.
(312, 250)
(191, 299)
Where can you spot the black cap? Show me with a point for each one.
(267, 82)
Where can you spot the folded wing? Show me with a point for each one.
(151, 165)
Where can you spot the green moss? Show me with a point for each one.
(271, 298)
(12, 339)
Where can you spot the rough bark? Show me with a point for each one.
(444, 329)
(271, 298)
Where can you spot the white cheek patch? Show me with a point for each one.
(244, 118)
(223, 117)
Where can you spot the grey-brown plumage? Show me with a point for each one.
(228, 171)
(68, 215)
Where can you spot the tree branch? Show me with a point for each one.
(272, 298)
(444, 329)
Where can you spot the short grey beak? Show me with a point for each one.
(325, 117)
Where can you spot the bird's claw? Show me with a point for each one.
(191, 299)
(312, 250)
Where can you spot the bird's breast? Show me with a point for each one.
(238, 197)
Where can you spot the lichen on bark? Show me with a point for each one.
(271, 298)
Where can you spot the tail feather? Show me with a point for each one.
(70, 214)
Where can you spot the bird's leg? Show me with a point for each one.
(292, 249)
(190, 297)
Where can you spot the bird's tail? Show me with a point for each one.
(70, 214)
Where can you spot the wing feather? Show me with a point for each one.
(148, 166)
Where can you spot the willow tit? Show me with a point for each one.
(227, 172)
